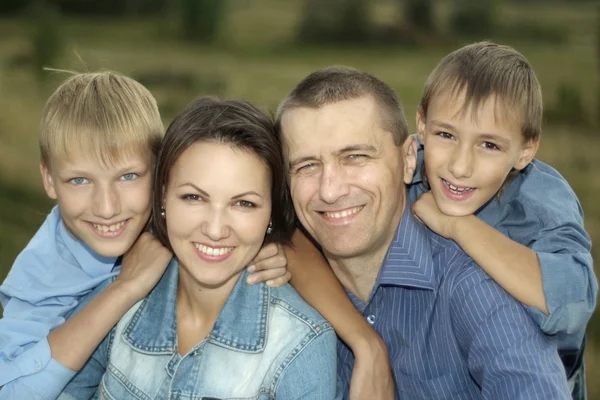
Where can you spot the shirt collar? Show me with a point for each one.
(408, 261)
(241, 324)
(92, 263)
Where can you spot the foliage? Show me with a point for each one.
(419, 14)
(200, 19)
(335, 21)
(47, 39)
(473, 17)
(568, 107)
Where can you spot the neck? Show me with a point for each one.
(359, 273)
(198, 307)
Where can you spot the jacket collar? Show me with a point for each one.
(242, 324)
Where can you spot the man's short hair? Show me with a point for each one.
(333, 84)
(482, 70)
(103, 114)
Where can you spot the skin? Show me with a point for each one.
(227, 208)
(347, 182)
(477, 151)
(88, 193)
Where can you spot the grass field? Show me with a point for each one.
(254, 59)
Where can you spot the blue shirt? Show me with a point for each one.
(538, 209)
(45, 284)
(450, 330)
(266, 343)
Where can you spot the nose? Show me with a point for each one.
(106, 202)
(461, 162)
(215, 226)
(333, 185)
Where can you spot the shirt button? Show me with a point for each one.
(371, 319)
(38, 366)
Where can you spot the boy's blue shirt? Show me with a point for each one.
(538, 209)
(44, 286)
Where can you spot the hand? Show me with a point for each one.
(426, 210)
(270, 265)
(143, 265)
(372, 375)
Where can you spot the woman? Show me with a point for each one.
(219, 193)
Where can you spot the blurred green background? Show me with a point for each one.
(259, 49)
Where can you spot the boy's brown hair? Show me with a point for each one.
(333, 84)
(486, 69)
(104, 114)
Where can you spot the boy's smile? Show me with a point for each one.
(469, 153)
(105, 206)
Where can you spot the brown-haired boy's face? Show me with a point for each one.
(468, 157)
(105, 206)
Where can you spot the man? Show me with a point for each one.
(451, 332)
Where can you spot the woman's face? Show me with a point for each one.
(218, 206)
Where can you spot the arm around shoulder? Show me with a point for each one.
(312, 373)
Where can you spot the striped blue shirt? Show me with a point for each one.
(451, 331)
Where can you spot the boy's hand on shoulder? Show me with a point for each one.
(270, 265)
(143, 265)
(426, 210)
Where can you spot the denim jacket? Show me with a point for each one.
(266, 343)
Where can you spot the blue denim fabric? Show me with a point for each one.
(266, 343)
(538, 209)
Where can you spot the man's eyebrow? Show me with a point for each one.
(205, 194)
(358, 147)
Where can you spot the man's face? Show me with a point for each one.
(346, 176)
(467, 156)
(104, 206)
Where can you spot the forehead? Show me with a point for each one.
(220, 167)
(493, 113)
(91, 161)
(332, 127)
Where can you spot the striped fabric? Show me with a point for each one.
(451, 331)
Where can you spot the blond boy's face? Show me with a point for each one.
(468, 157)
(104, 206)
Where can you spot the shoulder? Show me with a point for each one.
(541, 192)
(295, 307)
(40, 254)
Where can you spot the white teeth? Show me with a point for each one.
(342, 214)
(212, 251)
(456, 189)
(106, 228)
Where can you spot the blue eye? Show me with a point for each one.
(129, 177)
(305, 167)
(245, 204)
(79, 181)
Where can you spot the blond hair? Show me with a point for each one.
(334, 84)
(483, 70)
(102, 114)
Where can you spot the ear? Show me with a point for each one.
(409, 156)
(48, 181)
(528, 153)
(421, 123)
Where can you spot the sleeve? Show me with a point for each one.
(508, 355)
(312, 374)
(24, 327)
(556, 233)
(86, 381)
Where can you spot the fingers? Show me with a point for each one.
(273, 277)
(267, 251)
